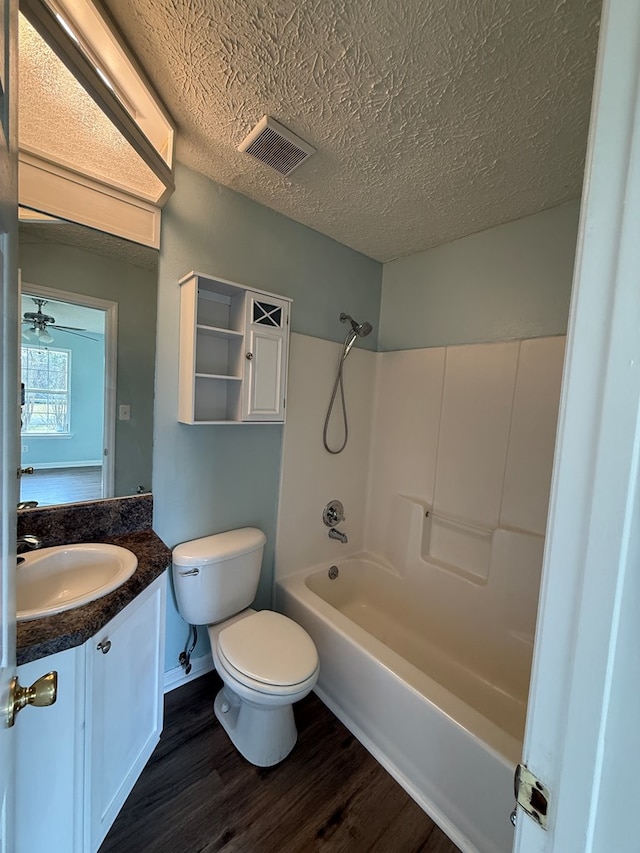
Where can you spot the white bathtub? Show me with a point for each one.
(416, 695)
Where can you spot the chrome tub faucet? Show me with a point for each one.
(339, 535)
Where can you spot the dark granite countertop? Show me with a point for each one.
(38, 638)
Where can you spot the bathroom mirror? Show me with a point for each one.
(79, 278)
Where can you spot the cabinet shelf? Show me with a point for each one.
(216, 423)
(216, 331)
(218, 376)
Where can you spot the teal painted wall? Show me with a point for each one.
(212, 478)
(508, 282)
(77, 270)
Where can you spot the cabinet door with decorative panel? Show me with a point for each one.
(266, 345)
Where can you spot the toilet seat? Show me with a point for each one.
(269, 653)
(251, 689)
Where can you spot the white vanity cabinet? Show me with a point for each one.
(79, 759)
(50, 760)
(234, 345)
(124, 701)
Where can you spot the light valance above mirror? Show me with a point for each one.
(96, 145)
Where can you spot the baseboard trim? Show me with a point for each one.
(176, 677)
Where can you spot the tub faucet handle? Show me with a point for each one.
(333, 514)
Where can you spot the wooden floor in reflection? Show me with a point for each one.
(62, 485)
(198, 795)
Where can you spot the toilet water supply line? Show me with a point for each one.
(184, 658)
(357, 330)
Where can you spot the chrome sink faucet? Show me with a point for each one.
(27, 504)
(28, 542)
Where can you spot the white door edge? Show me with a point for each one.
(593, 494)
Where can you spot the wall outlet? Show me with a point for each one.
(124, 412)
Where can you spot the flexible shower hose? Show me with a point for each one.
(339, 382)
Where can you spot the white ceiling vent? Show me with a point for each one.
(276, 146)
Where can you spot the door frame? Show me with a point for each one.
(9, 402)
(579, 666)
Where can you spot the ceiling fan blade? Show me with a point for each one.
(67, 328)
(70, 330)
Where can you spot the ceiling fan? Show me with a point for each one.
(38, 324)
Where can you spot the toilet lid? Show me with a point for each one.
(270, 648)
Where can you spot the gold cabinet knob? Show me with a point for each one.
(42, 692)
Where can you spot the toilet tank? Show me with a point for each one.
(217, 576)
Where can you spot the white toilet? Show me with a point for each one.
(265, 660)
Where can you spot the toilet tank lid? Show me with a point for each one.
(218, 547)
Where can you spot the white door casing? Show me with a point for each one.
(9, 408)
(587, 651)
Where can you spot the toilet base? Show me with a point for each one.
(263, 734)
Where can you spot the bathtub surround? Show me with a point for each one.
(476, 445)
(466, 433)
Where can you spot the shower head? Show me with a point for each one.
(357, 330)
(361, 329)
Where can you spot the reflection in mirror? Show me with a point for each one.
(67, 359)
(85, 434)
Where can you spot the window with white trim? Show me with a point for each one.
(46, 374)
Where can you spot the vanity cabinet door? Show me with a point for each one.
(124, 665)
(50, 759)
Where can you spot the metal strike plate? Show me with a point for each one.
(532, 795)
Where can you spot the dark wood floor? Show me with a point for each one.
(62, 485)
(198, 795)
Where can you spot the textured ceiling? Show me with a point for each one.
(81, 237)
(432, 118)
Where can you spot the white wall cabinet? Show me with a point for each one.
(79, 759)
(234, 345)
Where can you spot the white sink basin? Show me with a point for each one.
(51, 580)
